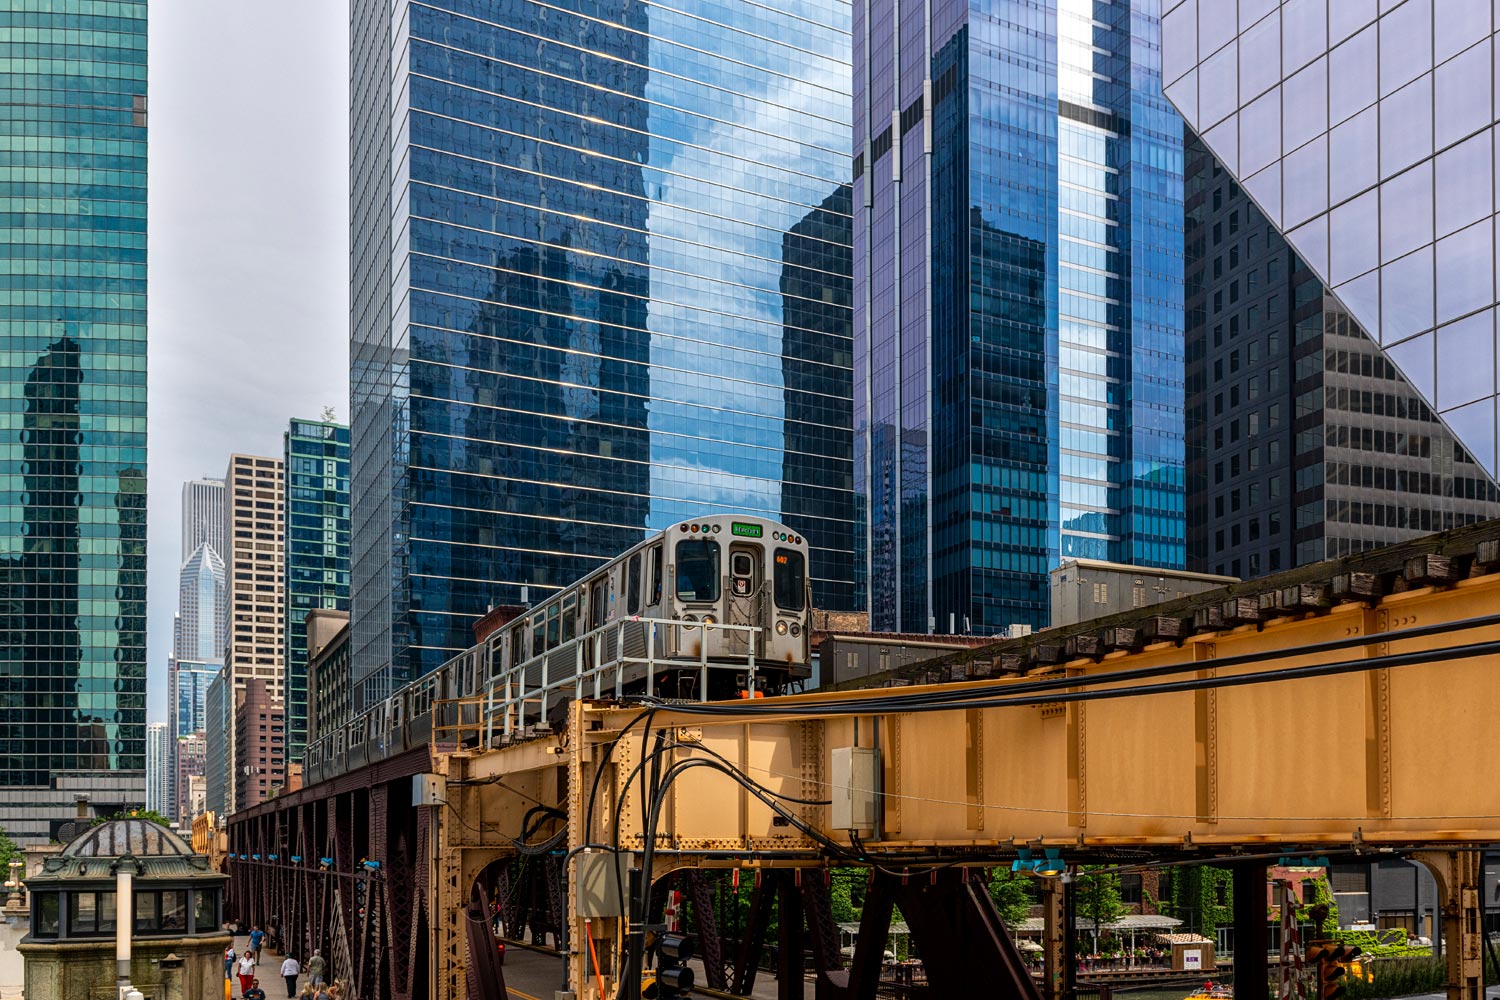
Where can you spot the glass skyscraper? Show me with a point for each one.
(601, 282)
(1366, 133)
(72, 410)
(1018, 303)
(317, 550)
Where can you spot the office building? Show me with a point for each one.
(73, 413)
(187, 708)
(596, 288)
(202, 515)
(191, 758)
(317, 551)
(330, 697)
(198, 628)
(1018, 304)
(1304, 442)
(159, 768)
(218, 745)
(259, 742)
(255, 571)
(1364, 133)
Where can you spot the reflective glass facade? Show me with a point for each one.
(1018, 303)
(1304, 441)
(317, 550)
(601, 282)
(72, 409)
(1366, 133)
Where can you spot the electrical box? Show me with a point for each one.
(428, 789)
(598, 887)
(856, 788)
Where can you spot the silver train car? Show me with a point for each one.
(635, 622)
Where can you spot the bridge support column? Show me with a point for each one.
(1458, 875)
(1252, 973)
(964, 946)
(1055, 937)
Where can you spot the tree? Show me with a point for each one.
(1012, 895)
(8, 852)
(148, 814)
(1097, 892)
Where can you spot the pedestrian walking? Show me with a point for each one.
(256, 937)
(229, 959)
(316, 966)
(247, 971)
(290, 970)
(254, 992)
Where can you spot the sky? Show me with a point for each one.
(248, 251)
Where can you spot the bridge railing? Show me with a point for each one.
(515, 702)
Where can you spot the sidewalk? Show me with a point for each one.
(268, 971)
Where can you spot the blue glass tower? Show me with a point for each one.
(317, 550)
(601, 282)
(72, 410)
(1018, 302)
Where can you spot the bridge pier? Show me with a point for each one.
(1252, 969)
(1459, 876)
(1057, 948)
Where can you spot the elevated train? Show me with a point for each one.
(636, 622)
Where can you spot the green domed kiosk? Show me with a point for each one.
(178, 937)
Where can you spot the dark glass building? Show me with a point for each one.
(614, 292)
(317, 551)
(1304, 442)
(73, 412)
(1018, 303)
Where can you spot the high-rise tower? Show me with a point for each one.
(73, 448)
(600, 283)
(317, 551)
(202, 515)
(1018, 303)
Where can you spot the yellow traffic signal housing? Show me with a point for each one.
(1330, 960)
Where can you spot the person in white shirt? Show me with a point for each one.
(247, 971)
(290, 970)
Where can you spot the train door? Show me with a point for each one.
(745, 602)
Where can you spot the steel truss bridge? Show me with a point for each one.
(1341, 710)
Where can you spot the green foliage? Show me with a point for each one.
(1389, 943)
(8, 852)
(1012, 894)
(1097, 895)
(1202, 897)
(1322, 896)
(150, 814)
(1398, 978)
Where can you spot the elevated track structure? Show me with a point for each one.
(1343, 712)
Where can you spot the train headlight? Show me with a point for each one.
(781, 628)
(690, 618)
(716, 528)
(796, 629)
(709, 620)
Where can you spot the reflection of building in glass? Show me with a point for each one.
(73, 448)
(1017, 290)
(587, 317)
(1366, 135)
(1304, 442)
(317, 550)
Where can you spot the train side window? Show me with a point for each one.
(633, 585)
(697, 570)
(552, 625)
(655, 561)
(570, 618)
(596, 605)
(538, 633)
(790, 580)
(518, 645)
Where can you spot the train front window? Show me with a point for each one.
(698, 570)
(791, 580)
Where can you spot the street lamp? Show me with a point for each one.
(14, 882)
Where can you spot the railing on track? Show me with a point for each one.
(515, 702)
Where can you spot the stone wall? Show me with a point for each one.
(85, 970)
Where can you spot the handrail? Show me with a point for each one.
(510, 701)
